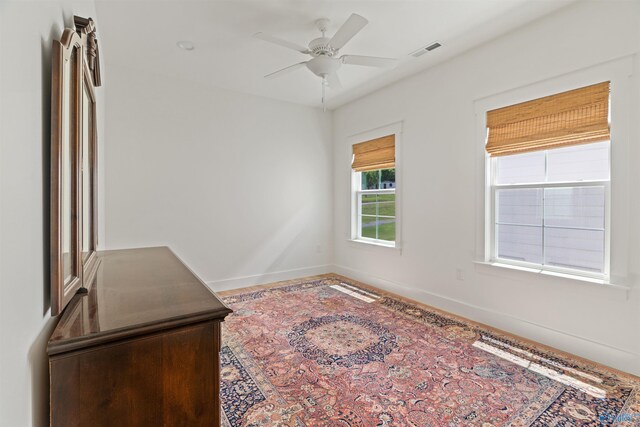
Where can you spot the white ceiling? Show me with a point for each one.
(142, 35)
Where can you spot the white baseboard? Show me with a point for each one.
(261, 279)
(614, 357)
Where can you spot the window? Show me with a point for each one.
(549, 192)
(374, 191)
(549, 207)
(376, 201)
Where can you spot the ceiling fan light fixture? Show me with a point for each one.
(323, 65)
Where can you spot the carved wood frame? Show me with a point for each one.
(86, 29)
(69, 48)
(79, 45)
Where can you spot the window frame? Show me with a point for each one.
(356, 191)
(492, 236)
(620, 73)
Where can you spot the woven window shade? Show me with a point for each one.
(575, 117)
(378, 153)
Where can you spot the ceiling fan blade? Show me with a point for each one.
(284, 43)
(285, 70)
(350, 28)
(333, 81)
(369, 61)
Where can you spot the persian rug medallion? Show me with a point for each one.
(342, 339)
(329, 352)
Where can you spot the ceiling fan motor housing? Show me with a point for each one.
(320, 46)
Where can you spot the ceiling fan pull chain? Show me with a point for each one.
(324, 80)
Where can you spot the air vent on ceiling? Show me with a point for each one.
(426, 49)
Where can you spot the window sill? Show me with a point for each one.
(374, 244)
(601, 283)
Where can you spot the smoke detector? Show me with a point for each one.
(186, 45)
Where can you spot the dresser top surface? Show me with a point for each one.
(136, 291)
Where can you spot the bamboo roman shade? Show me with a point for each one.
(379, 153)
(575, 117)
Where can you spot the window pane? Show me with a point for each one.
(522, 243)
(370, 180)
(369, 204)
(519, 206)
(369, 224)
(387, 178)
(387, 204)
(387, 229)
(520, 168)
(378, 228)
(574, 248)
(379, 204)
(579, 163)
(519, 225)
(379, 179)
(574, 207)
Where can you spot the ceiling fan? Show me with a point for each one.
(324, 51)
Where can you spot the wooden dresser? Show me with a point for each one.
(140, 348)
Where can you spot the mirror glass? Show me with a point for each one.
(66, 172)
(87, 175)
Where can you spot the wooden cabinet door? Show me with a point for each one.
(165, 379)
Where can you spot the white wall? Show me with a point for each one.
(26, 32)
(443, 198)
(238, 186)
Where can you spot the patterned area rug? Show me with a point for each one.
(328, 352)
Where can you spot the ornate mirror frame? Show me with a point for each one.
(75, 74)
(66, 263)
(88, 169)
